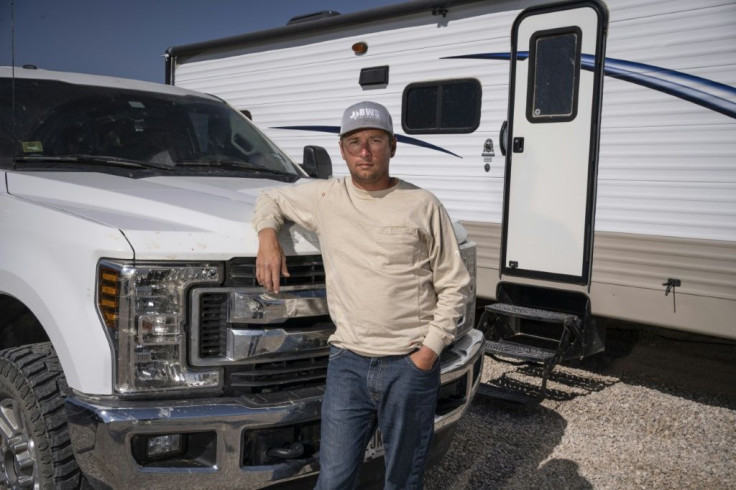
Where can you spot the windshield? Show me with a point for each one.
(61, 122)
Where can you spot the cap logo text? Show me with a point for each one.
(365, 114)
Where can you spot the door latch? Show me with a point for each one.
(488, 154)
(488, 149)
(518, 145)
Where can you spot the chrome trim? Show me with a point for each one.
(469, 348)
(248, 305)
(465, 349)
(275, 342)
(261, 307)
(101, 431)
(101, 436)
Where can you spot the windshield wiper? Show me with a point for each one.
(84, 159)
(232, 164)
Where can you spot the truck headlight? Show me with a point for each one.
(144, 307)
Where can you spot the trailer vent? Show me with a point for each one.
(376, 75)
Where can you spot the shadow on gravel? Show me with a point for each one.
(693, 367)
(504, 446)
(688, 366)
(575, 385)
(496, 446)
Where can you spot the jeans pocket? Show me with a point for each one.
(336, 352)
(417, 368)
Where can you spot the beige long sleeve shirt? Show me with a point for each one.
(394, 276)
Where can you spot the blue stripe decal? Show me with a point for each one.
(691, 88)
(402, 139)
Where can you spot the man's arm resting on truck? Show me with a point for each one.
(297, 203)
(270, 261)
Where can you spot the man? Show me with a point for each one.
(396, 287)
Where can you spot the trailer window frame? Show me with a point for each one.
(436, 119)
(564, 92)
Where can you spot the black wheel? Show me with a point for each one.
(34, 440)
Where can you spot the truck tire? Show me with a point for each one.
(35, 447)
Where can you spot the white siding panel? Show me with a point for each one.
(667, 166)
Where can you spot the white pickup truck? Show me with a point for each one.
(137, 349)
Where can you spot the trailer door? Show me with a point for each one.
(551, 164)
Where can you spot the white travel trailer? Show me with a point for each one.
(665, 215)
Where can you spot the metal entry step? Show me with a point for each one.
(535, 325)
(531, 313)
(504, 350)
(521, 352)
(569, 320)
(517, 347)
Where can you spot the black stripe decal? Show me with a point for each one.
(401, 138)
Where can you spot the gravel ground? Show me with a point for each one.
(651, 412)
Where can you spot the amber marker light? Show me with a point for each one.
(360, 48)
(108, 295)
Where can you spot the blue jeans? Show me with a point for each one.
(363, 392)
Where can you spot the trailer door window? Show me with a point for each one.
(447, 106)
(554, 74)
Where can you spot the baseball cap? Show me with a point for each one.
(366, 115)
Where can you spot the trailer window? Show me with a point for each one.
(554, 74)
(446, 106)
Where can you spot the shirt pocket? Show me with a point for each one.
(398, 244)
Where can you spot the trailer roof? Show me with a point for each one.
(337, 21)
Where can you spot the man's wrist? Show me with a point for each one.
(434, 342)
(266, 224)
(424, 358)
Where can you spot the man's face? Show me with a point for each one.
(367, 153)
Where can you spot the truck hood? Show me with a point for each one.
(165, 217)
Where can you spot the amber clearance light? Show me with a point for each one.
(107, 295)
(360, 48)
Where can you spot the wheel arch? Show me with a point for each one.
(18, 324)
(36, 323)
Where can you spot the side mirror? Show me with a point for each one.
(317, 162)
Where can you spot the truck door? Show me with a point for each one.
(554, 121)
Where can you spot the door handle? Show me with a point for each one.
(502, 136)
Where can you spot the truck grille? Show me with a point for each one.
(277, 376)
(304, 270)
(265, 376)
(212, 325)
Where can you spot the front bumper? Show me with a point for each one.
(106, 434)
